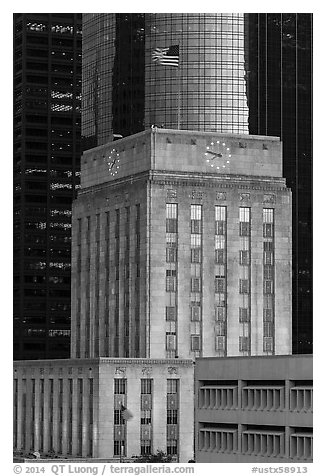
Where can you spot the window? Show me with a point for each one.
(170, 313)
(244, 229)
(219, 242)
(195, 343)
(243, 314)
(195, 285)
(268, 329)
(145, 417)
(220, 328)
(268, 315)
(268, 257)
(244, 286)
(171, 211)
(146, 386)
(243, 344)
(220, 213)
(268, 344)
(268, 215)
(268, 286)
(268, 230)
(145, 447)
(220, 313)
(195, 311)
(172, 417)
(244, 258)
(172, 386)
(220, 343)
(171, 280)
(171, 255)
(219, 285)
(220, 256)
(220, 299)
(172, 447)
(120, 386)
(171, 225)
(196, 226)
(268, 271)
(244, 214)
(196, 212)
(195, 255)
(220, 228)
(170, 341)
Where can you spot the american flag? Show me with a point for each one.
(167, 56)
(126, 414)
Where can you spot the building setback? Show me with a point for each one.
(182, 248)
(254, 409)
(47, 103)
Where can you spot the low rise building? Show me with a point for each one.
(253, 409)
(104, 408)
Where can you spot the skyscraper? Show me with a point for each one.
(182, 248)
(125, 91)
(237, 73)
(279, 63)
(47, 99)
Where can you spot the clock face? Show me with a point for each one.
(113, 162)
(218, 154)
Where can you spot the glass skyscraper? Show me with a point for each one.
(125, 92)
(279, 76)
(47, 101)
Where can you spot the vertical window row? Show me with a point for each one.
(171, 231)
(88, 288)
(15, 415)
(117, 282)
(244, 279)
(220, 280)
(268, 280)
(69, 411)
(172, 417)
(78, 286)
(51, 411)
(119, 428)
(97, 285)
(196, 236)
(79, 416)
(90, 415)
(146, 402)
(126, 282)
(32, 442)
(108, 350)
(137, 284)
(60, 415)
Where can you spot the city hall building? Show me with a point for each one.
(181, 248)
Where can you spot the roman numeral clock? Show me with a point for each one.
(218, 155)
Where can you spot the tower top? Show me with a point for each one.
(205, 153)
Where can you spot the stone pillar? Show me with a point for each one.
(46, 415)
(65, 416)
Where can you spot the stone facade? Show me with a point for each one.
(71, 407)
(120, 269)
(254, 409)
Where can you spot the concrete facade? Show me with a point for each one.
(120, 270)
(72, 407)
(255, 409)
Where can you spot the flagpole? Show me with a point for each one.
(179, 86)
